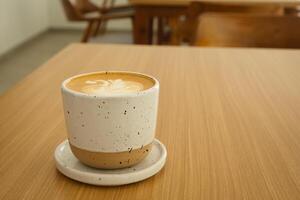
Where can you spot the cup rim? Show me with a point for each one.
(132, 94)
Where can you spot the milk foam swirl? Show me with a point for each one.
(117, 86)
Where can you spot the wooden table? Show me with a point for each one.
(228, 117)
(146, 10)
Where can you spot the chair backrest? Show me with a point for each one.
(71, 11)
(86, 6)
(231, 25)
(248, 30)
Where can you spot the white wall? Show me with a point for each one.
(57, 18)
(21, 20)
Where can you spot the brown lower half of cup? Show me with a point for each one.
(111, 160)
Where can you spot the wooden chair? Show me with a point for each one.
(246, 30)
(108, 10)
(84, 10)
(74, 14)
(116, 12)
(184, 30)
(220, 26)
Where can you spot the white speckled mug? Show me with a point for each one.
(111, 131)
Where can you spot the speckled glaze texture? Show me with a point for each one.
(115, 123)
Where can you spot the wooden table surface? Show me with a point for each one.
(186, 2)
(230, 119)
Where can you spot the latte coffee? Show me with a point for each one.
(110, 83)
(110, 117)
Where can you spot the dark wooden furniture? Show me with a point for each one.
(147, 10)
(245, 26)
(143, 23)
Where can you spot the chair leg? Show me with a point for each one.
(175, 37)
(150, 30)
(160, 31)
(87, 32)
(98, 24)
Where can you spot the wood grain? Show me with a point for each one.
(186, 2)
(243, 26)
(228, 117)
(248, 30)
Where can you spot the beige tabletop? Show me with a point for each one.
(186, 2)
(228, 117)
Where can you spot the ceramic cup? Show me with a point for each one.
(111, 131)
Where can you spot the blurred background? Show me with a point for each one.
(32, 31)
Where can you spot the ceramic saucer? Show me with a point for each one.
(70, 166)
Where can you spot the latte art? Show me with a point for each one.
(110, 83)
(117, 86)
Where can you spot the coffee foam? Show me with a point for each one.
(118, 86)
(103, 83)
